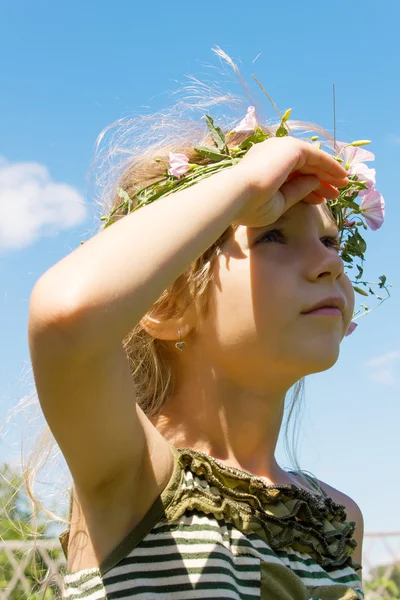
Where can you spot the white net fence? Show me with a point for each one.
(19, 581)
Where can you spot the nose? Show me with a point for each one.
(322, 261)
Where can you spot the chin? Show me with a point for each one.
(319, 359)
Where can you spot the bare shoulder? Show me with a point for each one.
(353, 514)
(353, 510)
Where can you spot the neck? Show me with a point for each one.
(239, 427)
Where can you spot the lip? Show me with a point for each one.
(326, 311)
(335, 303)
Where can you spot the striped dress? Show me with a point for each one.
(220, 532)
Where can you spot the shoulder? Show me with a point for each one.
(353, 514)
(352, 509)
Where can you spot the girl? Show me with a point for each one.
(163, 350)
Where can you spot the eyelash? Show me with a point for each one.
(333, 239)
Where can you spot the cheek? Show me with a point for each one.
(250, 301)
(232, 301)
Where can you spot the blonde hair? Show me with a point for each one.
(125, 157)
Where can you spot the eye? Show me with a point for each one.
(277, 235)
(271, 234)
(334, 242)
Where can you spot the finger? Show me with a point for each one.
(327, 191)
(308, 169)
(298, 188)
(317, 158)
(314, 198)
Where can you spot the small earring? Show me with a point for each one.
(180, 345)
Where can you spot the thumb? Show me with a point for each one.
(298, 188)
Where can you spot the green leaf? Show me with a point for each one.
(347, 196)
(360, 272)
(211, 153)
(383, 281)
(281, 131)
(361, 243)
(356, 245)
(358, 184)
(217, 135)
(346, 258)
(353, 205)
(360, 291)
(255, 138)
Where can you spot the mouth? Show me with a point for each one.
(333, 306)
(325, 311)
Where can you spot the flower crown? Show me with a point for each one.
(345, 210)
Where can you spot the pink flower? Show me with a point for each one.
(373, 209)
(364, 174)
(178, 163)
(249, 122)
(351, 328)
(353, 155)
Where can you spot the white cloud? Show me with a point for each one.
(383, 368)
(30, 203)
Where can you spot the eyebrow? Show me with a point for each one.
(334, 227)
(332, 222)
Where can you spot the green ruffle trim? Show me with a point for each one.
(282, 515)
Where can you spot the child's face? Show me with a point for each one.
(254, 327)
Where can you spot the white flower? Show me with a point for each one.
(353, 155)
(365, 175)
(373, 209)
(250, 121)
(178, 163)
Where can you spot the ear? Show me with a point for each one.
(168, 329)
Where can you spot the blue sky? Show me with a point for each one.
(70, 69)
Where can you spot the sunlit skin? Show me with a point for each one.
(253, 344)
